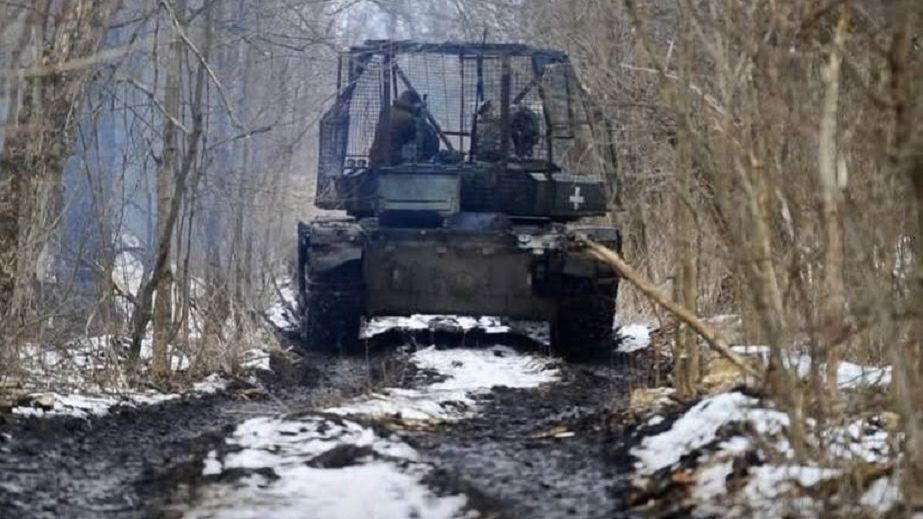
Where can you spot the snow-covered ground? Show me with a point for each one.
(280, 312)
(85, 404)
(336, 468)
(733, 451)
(87, 377)
(633, 337)
(315, 466)
(89, 361)
(699, 427)
(468, 373)
(849, 375)
(454, 323)
(722, 430)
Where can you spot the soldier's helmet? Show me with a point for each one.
(409, 99)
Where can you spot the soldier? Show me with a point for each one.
(524, 131)
(408, 136)
(426, 144)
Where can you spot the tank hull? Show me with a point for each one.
(475, 265)
(431, 271)
(515, 271)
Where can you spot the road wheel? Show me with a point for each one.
(582, 327)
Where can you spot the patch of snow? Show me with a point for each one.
(376, 490)
(767, 422)
(773, 489)
(849, 375)
(379, 325)
(468, 371)
(210, 465)
(736, 446)
(633, 337)
(151, 398)
(767, 482)
(699, 426)
(279, 313)
(256, 358)
(486, 323)
(751, 350)
(87, 405)
(454, 323)
(211, 384)
(883, 495)
(127, 274)
(768, 490)
(267, 441)
(766, 493)
(712, 481)
(87, 363)
(858, 440)
(179, 361)
(384, 481)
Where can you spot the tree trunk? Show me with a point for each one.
(686, 360)
(834, 300)
(166, 220)
(907, 359)
(36, 148)
(767, 299)
(162, 319)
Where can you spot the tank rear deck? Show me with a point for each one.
(436, 272)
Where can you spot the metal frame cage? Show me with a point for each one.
(454, 80)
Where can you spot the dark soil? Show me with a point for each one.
(130, 462)
(540, 452)
(529, 453)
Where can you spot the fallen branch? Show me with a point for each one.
(711, 337)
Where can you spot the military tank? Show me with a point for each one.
(465, 171)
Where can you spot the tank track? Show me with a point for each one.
(582, 327)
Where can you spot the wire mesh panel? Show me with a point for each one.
(438, 80)
(365, 105)
(454, 82)
(334, 128)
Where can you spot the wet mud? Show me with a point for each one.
(543, 452)
(540, 452)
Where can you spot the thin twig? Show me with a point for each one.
(181, 31)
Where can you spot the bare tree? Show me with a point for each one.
(63, 42)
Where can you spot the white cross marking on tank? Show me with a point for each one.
(576, 199)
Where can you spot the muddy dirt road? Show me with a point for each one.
(487, 431)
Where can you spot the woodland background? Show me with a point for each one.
(769, 154)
